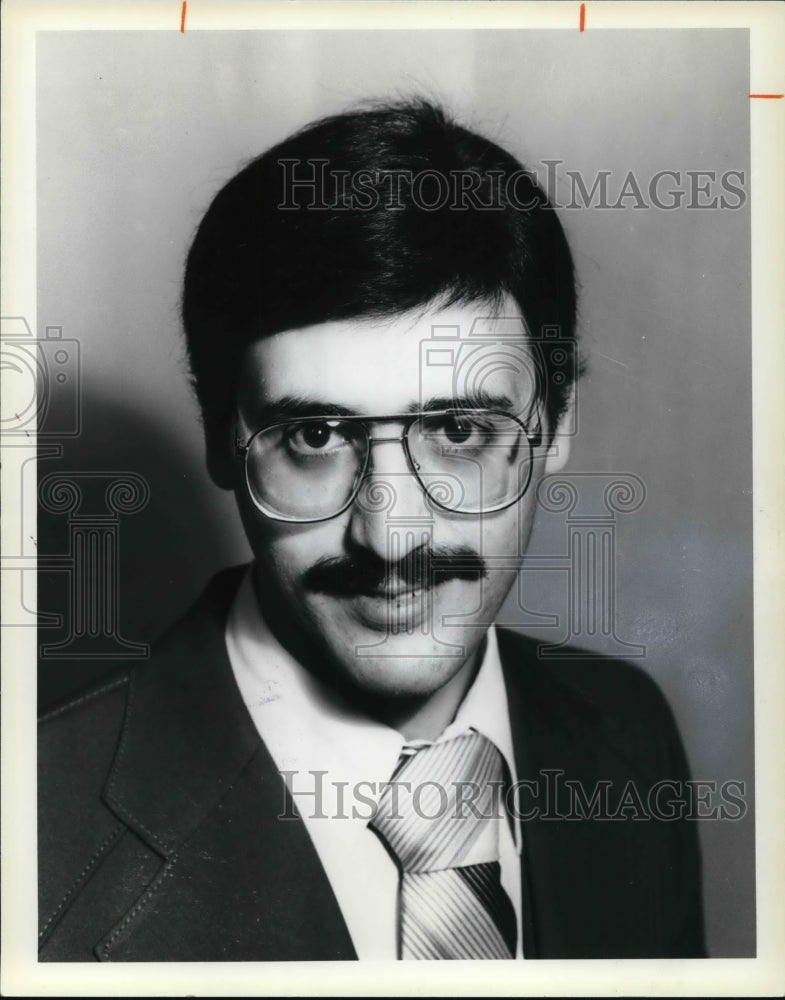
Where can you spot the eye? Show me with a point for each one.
(321, 437)
(462, 431)
(316, 435)
(456, 430)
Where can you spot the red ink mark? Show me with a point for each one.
(582, 22)
(182, 18)
(769, 97)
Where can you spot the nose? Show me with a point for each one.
(390, 515)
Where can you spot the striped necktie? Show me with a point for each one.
(439, 818)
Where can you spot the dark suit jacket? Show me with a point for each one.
(159, 837)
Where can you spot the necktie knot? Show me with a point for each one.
(437, 812)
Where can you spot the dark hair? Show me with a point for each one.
(355, 241)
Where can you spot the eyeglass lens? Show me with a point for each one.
(466, 462)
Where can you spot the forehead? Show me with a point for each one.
(390, 365)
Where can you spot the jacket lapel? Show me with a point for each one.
(584, 880)
(192, 779)
(543, 738)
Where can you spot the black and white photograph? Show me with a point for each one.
(391, 401)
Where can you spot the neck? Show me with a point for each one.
(427, 718)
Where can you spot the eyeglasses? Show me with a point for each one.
(467, 461)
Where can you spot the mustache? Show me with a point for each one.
(363, 572)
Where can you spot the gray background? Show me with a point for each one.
(136, 132)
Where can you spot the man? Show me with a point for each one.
(335, 754)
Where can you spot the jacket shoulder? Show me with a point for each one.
(76, 738)
(611, 685)
(603, 701)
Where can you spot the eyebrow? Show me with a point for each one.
(295, 407)
(292, 407)
(481, 400)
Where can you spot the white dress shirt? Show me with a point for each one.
(307, 727)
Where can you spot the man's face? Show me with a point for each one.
(359, 589)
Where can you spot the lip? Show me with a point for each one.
(392, 611)
(392, 593)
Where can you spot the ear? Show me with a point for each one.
(559, 447)
(222, 462)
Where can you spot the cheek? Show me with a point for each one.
(525, 522)
(285, 550)
(506, 533)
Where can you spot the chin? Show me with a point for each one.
(399, 666)
(402, 676)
